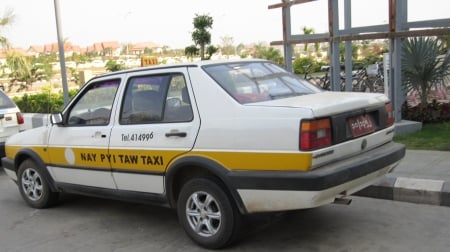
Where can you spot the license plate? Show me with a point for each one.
(361, 125)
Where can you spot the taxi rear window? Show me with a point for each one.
(258, 81)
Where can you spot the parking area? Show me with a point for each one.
(88, 224)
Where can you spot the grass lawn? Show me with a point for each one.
(431, 137)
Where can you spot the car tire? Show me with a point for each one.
(207, 213)
(34, 187)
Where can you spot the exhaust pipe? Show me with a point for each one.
(342, 201)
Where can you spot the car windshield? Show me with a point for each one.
(258, 81)
(5, 102)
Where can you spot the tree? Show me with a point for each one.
(201, 35)
(5, 20)
(424, 66)
(269, 53)
(227, 46)
(108, 51)
(308, 31)
(355, 49)
(113, 66)
(20, 69)
(210, 51)
(78, 58)
(148, 51)
(191, 51)
(24, 71)
(240, 49)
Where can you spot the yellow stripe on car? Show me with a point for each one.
(157, 160)
(261, 161)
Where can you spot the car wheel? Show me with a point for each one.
(34, 187)
(207, 213)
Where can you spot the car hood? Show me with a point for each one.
(327, 103)
(31, 137)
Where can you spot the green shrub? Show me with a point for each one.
(300, 65)
(44, 102)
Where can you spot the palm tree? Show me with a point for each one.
(20, 68)
(424, 66)
(200, 35)
(308, 31)
(269, 53)
(6, 20)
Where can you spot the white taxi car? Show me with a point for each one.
(214, 140)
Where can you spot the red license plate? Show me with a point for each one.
(361, 125)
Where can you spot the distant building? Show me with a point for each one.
(139, 48)
(111, 48)
(105, 48)
(35, 50)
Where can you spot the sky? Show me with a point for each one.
(169, 23)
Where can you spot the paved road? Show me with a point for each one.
(88, 224)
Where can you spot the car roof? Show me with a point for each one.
(189, 64)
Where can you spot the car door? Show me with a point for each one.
(78, 147)
(156, 123)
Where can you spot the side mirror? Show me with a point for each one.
(56, 119)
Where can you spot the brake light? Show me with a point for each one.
(315, 134)
(389, 114)
(20, 119)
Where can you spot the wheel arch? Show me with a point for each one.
(186, 168)
(26, 154)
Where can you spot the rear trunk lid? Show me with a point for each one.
(329, 103)
(352, 123)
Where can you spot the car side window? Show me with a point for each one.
(94, 106)
(143, 101)
(178, 105)
(156, 99)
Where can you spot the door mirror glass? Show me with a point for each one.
(56, 119)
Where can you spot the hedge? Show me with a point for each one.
(431, 113)
(44, 102)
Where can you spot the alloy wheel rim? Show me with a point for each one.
(32, 184)
(203, 214)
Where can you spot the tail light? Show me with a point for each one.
(20, 119)
(315, 134)
(389, 114)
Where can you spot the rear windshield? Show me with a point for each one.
(5, 102)
(258, 81)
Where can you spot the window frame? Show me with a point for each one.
(93, 86)
(163, 91)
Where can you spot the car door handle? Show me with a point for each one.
(176, 134)
(99, 134)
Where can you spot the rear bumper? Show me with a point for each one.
(276, 191)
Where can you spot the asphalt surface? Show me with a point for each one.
(422, 177)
